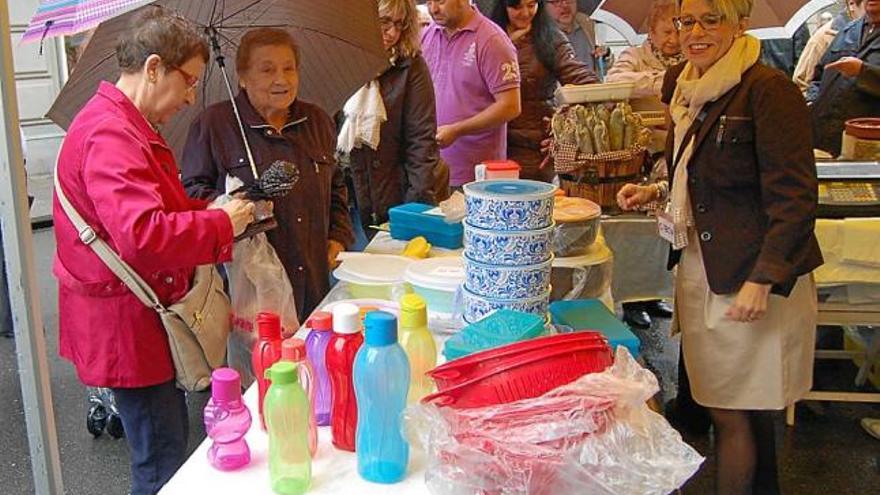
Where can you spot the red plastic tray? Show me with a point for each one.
(472, 366)
(527, 375)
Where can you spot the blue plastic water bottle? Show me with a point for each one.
(381, 383)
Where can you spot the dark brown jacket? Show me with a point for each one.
(402, 169)
(317, 208)
(752, 184)
(525, 133)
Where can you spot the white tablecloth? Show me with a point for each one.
(333, 471)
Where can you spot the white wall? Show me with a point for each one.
(38, 80)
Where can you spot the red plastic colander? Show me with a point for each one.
(475, 365)
(525, 375)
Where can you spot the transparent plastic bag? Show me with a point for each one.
(257, 282)
(453, 208)
(595, 435)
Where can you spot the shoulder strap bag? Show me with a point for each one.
(197, 325)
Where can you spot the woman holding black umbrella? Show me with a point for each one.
(314, 225)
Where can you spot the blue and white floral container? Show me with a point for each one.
(512, 205)
(476, 306)
(508, 247)
(507, 282)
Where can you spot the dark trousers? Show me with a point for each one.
(156, 427)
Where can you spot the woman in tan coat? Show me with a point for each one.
(740, 218)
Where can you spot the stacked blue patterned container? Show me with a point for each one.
(507, 247)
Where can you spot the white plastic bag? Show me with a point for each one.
(257, 283)
(595, 435)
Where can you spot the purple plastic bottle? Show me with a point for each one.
(227, 420)
(321, 324)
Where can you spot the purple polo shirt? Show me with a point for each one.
(468, 68)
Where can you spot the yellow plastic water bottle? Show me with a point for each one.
(419, 345)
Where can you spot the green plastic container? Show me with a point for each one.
(286, 409)
(500, 328)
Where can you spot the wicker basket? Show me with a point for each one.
(597, 177)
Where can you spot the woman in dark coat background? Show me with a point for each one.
(546, 59)
(406, 166)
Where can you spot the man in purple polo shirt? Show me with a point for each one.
(475, 72)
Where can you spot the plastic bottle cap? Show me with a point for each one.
(381, 329)
(293, 350)
(346, 318)
(413, 311)
(321, 321)
(269, 326)
(225, 385)
(282, 372)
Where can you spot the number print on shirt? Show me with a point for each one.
(470, 56)
(511, 71)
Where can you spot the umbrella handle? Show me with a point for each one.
(221, 62)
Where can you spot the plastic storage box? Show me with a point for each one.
(500, 328)
(411, 220)
(592, 314)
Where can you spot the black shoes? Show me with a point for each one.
(638, 314)
(635, 316)
(660, 309)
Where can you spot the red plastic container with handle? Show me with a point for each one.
(266, 352)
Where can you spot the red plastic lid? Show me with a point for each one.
(321, 321)
(268, 326)
(501, 165)
(293, 350)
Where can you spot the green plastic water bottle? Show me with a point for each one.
(286, 409)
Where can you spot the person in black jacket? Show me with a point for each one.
(403, 165)
(846, 83)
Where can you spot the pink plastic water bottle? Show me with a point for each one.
(227, 420)
(294, 350)
(267, 351)
(321, 324)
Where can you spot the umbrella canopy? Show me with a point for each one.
(339, 42)
(66, 17)
(770, 18)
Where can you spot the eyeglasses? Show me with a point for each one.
(386, 24)
(190, 80)
(708, 22)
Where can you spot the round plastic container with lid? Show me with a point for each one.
(509, 204)
(576, 225)
(436, 280)
(374, 276)
(586, 276)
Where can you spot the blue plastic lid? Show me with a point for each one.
(380, 329)
(510, 189)
(500, 328)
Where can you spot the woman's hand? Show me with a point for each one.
(240, 212)
(334, 247)
(750, 303)
(631, 196)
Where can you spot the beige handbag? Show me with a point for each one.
(198, 325)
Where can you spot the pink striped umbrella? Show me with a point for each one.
(67, 17)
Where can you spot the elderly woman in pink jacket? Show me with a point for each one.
(119, 173)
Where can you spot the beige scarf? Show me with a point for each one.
(692, 92)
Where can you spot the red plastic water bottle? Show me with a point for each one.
(266, 352)
(344, 344)
(294, 350)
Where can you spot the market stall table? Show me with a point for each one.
(333, 471)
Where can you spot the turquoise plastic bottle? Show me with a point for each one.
(286, 409)
(381, 383)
